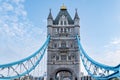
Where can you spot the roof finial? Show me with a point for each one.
(50, 14)
(76, 14)
(50, 10)
(63, 7)
(76, 9)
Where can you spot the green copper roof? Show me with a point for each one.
(66, 14)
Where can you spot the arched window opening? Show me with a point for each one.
(57, 57)
(69, 57)
(63, 44)
(64, 75)
(55, 45)
(61, 22)
(65, 23)
(71, 45)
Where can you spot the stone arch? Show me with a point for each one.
(69, 71)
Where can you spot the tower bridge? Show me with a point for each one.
(64, 52)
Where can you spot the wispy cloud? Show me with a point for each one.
(13, 18)
(18, 35)
(111, 52)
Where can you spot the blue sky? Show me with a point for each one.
(23, 27)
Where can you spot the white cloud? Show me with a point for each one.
(7, 7)
(12, 16)
(111, 53)
(18, 36)
(116, 41)
(18, 1)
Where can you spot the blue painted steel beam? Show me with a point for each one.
(115, 69)
(26, 59)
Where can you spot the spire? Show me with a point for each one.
(76, 15)
(63, 7)
(50, 15)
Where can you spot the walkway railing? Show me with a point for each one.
(23, 67)
(95, 69)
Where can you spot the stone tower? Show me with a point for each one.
(63, 57)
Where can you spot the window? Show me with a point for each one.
(53, 57)
(65, 30)
(69, 29)
(65, 22)
(61, 22)
(57, 57)
(61, 29)
(57, 29)
(63, 57)
(73, 57)
(69, 57)
(55, 45)
(63, 44)
(71, 45)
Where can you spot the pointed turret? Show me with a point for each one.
(76, 15)
(50, 15)
(76, 18)
(50, 19)
(76, 23)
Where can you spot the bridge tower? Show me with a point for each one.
(63, 58)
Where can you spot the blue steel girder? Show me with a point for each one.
(24, 66)
(95, 69)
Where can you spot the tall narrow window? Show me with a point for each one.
(65, 30)
(63, 44)
(61, 22)
(69, 57)
(69, 29)
(61, 29)
(71, 45)
(57, 57)
(58, 30)
(55, 45)
(65, 23)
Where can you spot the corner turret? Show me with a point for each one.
(76, 18)
(50, 19)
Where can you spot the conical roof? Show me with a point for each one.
(50, 15)
(76, 15)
